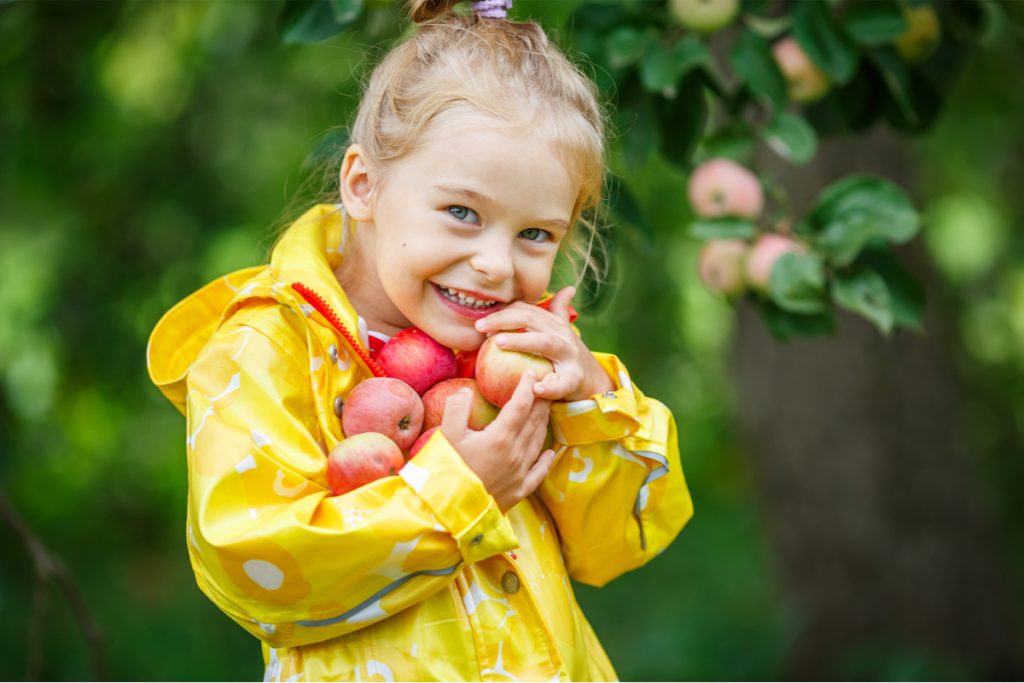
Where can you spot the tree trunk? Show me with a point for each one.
(864, 472)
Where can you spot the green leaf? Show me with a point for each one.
(311, 21)
(662, 66)
(752, 60)
(896, 75)
(626, 45)
(658, 71)
(636, 123)
(874, 23)
(914, 102)
(736, 144)
(823, 40)
(857, 209)
(722, 228)
(906, 294)
(785, 325)
(791, 137)
(797, 283)
(863, 291)
(682, 120)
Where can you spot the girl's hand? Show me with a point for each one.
(506, 454)
(577, 373)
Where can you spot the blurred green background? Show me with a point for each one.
(856, 497)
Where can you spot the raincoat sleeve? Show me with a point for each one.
(616, 490)
(269, 543)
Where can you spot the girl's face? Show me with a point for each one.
(465, 225)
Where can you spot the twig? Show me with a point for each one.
(48, 567)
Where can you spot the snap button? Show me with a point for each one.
(510, 583)
(476, 540)
(332, 351)
(609, 394)
(339, 405)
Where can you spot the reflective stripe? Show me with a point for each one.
(378, 595)
(657, 473)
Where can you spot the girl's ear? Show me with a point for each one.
(357, 184)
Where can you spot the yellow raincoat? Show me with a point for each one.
(412, 577)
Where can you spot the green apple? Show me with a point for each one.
(922, 35)
(705, 16)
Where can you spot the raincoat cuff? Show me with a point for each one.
(459, 500)
(610, 416)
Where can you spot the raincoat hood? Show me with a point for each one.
(307, 253)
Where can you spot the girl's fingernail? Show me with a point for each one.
(501, 340)
(480, 324)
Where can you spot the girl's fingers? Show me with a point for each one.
(535, 476)
(544, 344)
(514, 413)
(560, 302)
(555, 386)
(455, 421)
(520, 316)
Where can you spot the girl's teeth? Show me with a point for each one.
(466, 300)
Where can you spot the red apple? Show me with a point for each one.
(384, 405)
(704, 16)
(415, 358)
(422, 441)
(498, 370)
(763, 255)
(466, 363)
(805, 82)
(721, 187)
(481, 413)
(720, 266)
(360, 459)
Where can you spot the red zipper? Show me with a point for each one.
(324, 309)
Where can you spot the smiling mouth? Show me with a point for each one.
(458, 297)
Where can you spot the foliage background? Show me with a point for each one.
(148, 147)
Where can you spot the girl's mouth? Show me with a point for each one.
(465, 306)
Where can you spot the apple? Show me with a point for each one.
(720, 266)
(705, 16)
(415, 358)
(384, 405)
(481, 413)
(498, 370)
(721, 187)
(922, 34)
(360, 459)
(763, 255)
(466, 363)
(804, 80)
(422, 441)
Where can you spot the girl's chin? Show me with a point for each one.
(462, 340)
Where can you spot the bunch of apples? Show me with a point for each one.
(719, 188)
(387, 420)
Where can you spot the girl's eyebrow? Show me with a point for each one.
(484, 199)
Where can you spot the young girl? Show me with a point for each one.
(474, 151)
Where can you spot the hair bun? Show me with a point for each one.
(425, 10)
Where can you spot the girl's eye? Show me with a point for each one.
(463, 214)
(536, 234)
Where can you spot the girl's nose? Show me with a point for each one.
(494, 262)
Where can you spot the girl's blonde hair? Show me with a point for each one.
(501, 68)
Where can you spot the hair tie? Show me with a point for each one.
(495, 9)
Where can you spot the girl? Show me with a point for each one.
(475, 150)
